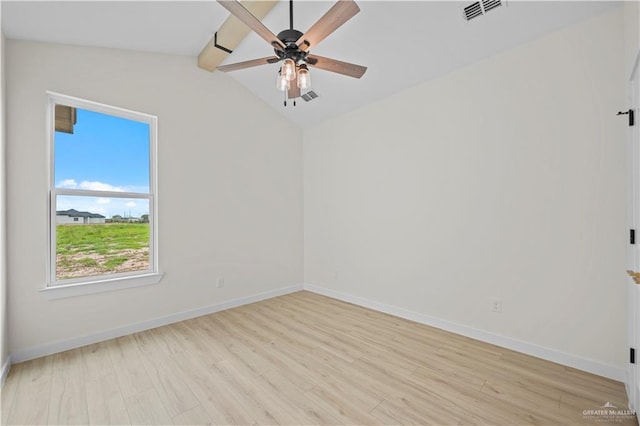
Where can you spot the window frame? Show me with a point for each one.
(112, 281)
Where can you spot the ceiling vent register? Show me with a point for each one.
(480, 8)
(309, 96)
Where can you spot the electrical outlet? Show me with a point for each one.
(496, 306)
(220, 282)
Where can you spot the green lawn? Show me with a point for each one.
(88, 250)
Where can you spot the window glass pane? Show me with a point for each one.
(96, 151)
(101, 235)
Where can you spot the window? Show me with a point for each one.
(103, 215)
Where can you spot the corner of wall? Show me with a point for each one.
(631, 13)
(5, 360)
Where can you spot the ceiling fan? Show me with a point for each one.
(292, 46)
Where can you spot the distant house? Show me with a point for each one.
(127, 219)
(73, 216)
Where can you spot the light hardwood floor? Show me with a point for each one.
(301, 359)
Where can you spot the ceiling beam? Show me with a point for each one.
(230, 34)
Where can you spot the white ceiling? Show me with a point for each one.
(403, 43)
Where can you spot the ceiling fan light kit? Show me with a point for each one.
(288, 69)
(282, 83)
(304, 78)
(292, 47)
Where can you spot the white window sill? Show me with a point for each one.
(100, 286)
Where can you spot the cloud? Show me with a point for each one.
(88, 185)
(99, 186)
(101, 203)
(68, 183)
(99, 210)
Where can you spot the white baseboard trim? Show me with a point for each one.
(5, 371)
(64, 345)
(569, 360)
(626, 388)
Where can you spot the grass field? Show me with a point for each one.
(89, 250)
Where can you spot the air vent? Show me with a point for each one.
(490, 4)
(472, 11)
(480, 8)
(309, 96)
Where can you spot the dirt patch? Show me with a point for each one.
(92, 264)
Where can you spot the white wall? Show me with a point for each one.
(4, 336)
(503, 179)
(230, 188)
(632, 34)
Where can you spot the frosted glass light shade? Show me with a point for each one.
(304, 78)
(282, 83)
(289, 69)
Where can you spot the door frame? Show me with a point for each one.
(633, 251)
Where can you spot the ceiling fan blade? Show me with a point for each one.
(240, 12)
(340, 13)
(248, 64)
(230, 34)
(333, 65)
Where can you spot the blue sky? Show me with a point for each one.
(103, 153)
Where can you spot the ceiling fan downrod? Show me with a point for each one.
(290, 14)
(289, 37)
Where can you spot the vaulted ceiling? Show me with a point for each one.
(403, 43)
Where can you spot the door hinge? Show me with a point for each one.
(632, 236)
(632, 355)
(631, 115)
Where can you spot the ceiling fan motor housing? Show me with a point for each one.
(292, 51)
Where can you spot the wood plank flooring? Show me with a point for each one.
(302, 359)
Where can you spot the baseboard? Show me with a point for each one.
(569, 360)
(626, 388)
(553, 355)
(64, 345)
(5, 371)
